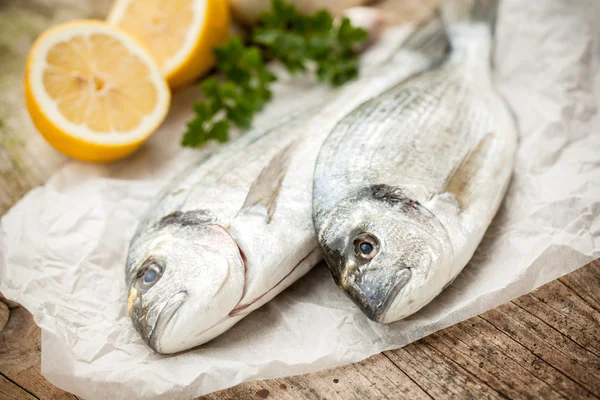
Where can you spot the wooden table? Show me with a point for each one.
(545, 344)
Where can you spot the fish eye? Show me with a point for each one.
(366, 246)
(150, 274)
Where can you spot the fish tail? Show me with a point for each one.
(469, 12)
(470, 26)
(485, 11)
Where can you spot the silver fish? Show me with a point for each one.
(406, 185)
(236, 230)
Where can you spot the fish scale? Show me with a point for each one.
(415, 154)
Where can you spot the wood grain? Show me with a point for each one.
(540, 345)
(20, 357)
(508, 352)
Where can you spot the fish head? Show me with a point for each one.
(383, 250)
(184, 279)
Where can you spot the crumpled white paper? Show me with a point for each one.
(63, 246)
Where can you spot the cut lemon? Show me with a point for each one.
(180, 34)
(93, 91)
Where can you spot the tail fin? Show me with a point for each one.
(470, 26)
(469, 11)
(486, 11)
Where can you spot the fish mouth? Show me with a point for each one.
(374, 292)
(164, 318)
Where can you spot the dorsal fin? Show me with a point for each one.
(460, 181)
(264, 191)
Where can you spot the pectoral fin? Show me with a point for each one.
(262, 197)
(461, 182)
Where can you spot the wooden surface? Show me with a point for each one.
(543, 345)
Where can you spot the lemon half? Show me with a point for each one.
(180, 34)
(93, 91)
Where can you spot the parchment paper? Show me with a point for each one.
(63, 246)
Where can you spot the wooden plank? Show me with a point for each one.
(438, 374)
(376, 371)
(584, 357)
(20, 357)
(571, 318)
(368, 379)
(539, 339)
(488, 364)
(479, 327)
(4, 315)
(8, 390)
(583, 284)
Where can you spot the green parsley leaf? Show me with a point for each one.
(242, 85)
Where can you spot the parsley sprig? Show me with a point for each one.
(241, 85)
